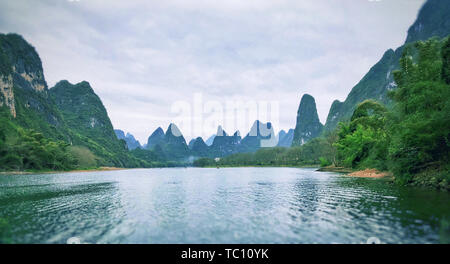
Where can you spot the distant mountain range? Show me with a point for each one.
(132, 143)
(285, 139)
(220, 144)
(260, 135)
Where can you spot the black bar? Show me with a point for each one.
(230, 253)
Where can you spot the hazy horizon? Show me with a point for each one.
(141, 57)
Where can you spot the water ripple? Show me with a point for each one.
(244, 205)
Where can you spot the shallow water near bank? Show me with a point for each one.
(227, 205)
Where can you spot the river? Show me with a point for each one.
(227, 205)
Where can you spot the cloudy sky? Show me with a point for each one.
(145, 57)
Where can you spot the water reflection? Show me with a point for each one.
(396, 213)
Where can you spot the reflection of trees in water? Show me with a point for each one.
(444, 231)
(353, 209)
(5, 232)
(55, 212)
(403, 213)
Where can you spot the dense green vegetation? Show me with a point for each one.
(363, 141)
(420, 120)
(155, 158)
(412, 139)
(26, 149)
(89, 125)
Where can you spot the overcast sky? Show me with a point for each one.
(142, 56)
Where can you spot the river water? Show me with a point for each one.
(227, 205)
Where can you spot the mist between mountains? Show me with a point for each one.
(198, 117)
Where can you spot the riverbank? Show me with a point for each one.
(68, 171)
(431, 178)
(436, 178)
(366, 173)
(370, 173)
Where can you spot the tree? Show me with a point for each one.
(363, 142)
(420, 121)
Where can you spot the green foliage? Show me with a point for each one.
(29, 150)
(86, 117)
(267, 156)
(89, 126)
(324, 162)
(363, 142)
(83, 157)
(420, 124)
(5, 232)
(362, 148)
(38, 112)
(204, 162)
(446, 61)
(153, 159)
